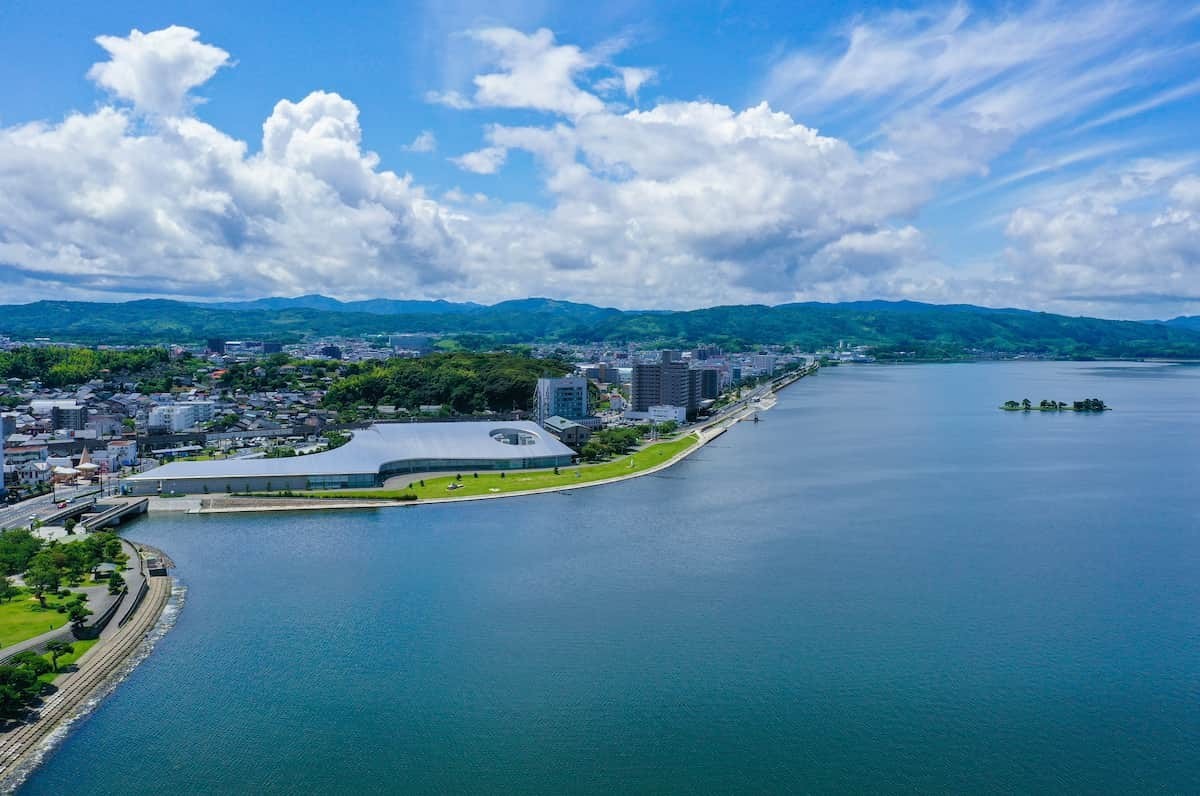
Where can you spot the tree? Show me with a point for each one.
(42, 576)
(78, 614)
(32, 661)
(57, 649)
(17, 549)
(1025, 404)
(8, 590)
(116, 583)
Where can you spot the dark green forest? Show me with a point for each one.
(59, 366)
(467, 382)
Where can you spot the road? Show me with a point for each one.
(17, 515)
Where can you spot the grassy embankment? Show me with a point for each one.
(491, 483)
(81, 646)
(22, 617)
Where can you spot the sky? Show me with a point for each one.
(666, 155)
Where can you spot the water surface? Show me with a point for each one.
(887, 584)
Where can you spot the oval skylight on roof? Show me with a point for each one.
(513, 436)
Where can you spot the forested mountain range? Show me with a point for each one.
(928, 330)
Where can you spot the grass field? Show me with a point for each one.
(490, 483)
(22, 618)
(81, 646)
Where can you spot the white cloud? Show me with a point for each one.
(156, 70)
(426, 141)
(959, 88)
(628, 79)
(1130, 237)
(95, 204)
(682, 204)
(534, 73)
(483, 161)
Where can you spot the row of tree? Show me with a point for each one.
(610, 442)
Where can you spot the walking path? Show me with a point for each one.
(74, 688)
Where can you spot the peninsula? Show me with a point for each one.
(48, 679)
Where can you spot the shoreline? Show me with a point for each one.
(704, 435)
(95, 675)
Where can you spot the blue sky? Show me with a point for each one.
(1039, 155)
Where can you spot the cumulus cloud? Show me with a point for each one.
(1131, 237)
(482, 161)
(533, 71)
(155, 71)
(425, 142)
(96, 204)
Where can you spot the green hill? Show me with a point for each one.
(921, 330)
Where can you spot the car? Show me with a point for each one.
(62, 504)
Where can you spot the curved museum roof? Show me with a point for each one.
(373, 447)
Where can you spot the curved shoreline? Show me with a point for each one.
(704, 435)
(22, 748)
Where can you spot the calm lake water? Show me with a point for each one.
(886, 585)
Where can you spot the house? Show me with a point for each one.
(568, 432)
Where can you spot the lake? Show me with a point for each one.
(888, 584)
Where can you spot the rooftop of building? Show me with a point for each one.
(371, 448)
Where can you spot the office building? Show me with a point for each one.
(764, 364)
(668, 382)
(565, 397)
(180, 416)
(709, 382)
(70, 417)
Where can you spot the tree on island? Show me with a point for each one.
(1026, 404)
(57, 649)
(1011, 405)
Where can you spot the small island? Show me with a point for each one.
(1085, 405)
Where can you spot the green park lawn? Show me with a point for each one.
(81, 646)
(490, 483)
(22, 618)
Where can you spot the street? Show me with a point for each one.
(18, 514)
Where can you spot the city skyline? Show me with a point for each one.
(1034, 156)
